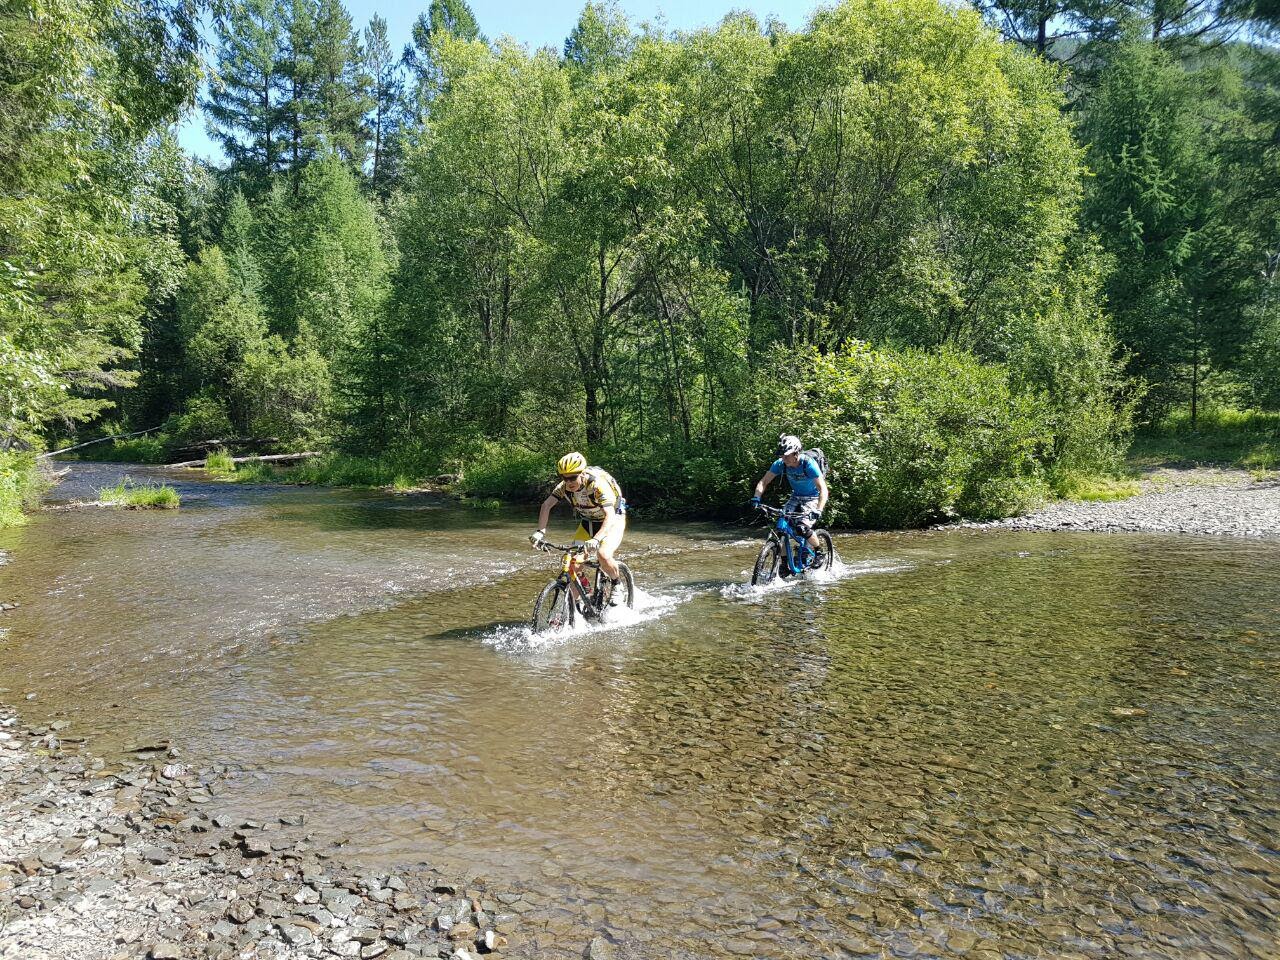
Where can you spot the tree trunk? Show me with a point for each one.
(1195, 379)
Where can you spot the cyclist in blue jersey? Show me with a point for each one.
(808, 490)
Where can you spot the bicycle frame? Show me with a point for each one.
(573, 579)
(785, 533)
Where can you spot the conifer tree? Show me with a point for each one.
(245, 105)
(444, 17)
(386, 119)
(297, 65)
(341, 84)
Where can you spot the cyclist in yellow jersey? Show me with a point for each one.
(597, 502)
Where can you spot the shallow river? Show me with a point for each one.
(960, 743)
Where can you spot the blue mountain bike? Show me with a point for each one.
(785, 553)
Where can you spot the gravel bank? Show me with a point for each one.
(100, 863)
(1202, 501)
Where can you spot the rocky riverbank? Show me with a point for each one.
(1202, 501)
(119, 862)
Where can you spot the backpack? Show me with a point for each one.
(817, 456)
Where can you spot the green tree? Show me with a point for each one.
(341, 84)
(386, 119)
(221, 326)
(1181, 260)
(297, 65)
(245, 104)
(600, 40)
(82, 225)
(444, 18)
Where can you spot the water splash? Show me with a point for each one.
(648, 607)
(838, 571)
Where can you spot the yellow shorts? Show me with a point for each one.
(588, 529)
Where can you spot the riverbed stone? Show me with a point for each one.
(295, 934)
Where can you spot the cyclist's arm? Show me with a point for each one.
(764, 482)
(822, 492)
(545, 513)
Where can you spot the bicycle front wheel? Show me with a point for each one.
(554, 609)
(766, 568)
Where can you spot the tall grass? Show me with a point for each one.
(1095, 489)
(1220, 437)
(220, 463)
(133, 496)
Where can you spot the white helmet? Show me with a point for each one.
(788, 444)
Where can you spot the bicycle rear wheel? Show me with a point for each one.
(626, 584)
(767, 563)
(605, 593)
(554, 608)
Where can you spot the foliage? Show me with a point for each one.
(507, 471)
(73, 224)
(149, 449)
(604, 251)
(134, 496)
(1184, 270)
(656, 247)
(20, 487)
(402, 470)
(914, 438)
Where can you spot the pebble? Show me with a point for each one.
(127, 852)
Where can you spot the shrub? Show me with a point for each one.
(507, 471)
(677, 479)
(20, 486)
(914, 437)
(148, 449)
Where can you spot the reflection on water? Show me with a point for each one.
(964, 744)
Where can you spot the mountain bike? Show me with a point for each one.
(582, 590)
(785, 552)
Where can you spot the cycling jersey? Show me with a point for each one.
(803, 477)
(597, 495)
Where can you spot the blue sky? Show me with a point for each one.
(536, 24)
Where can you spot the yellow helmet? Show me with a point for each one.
(570, 464)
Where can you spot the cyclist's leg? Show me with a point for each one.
(610, 544)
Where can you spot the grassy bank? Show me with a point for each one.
(1230, 438)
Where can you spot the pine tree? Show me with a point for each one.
(444, 17)
(245, 106)
(342, 86)
(298, 68)
(387, 117)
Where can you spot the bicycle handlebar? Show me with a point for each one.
(547, 545)
(776, 512)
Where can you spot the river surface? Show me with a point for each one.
(958, 743)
